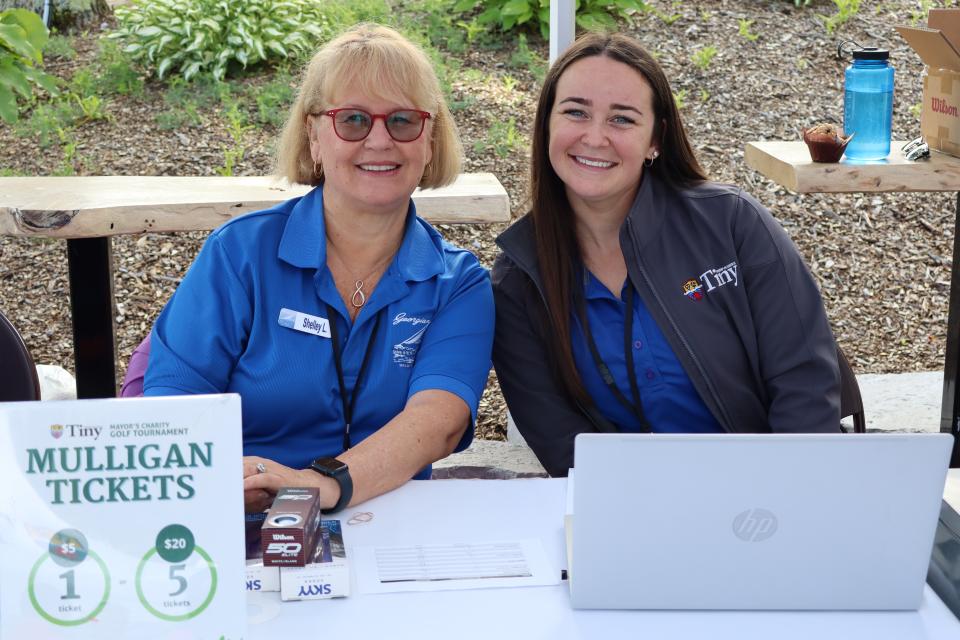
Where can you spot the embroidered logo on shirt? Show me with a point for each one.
(693, 289)
(402, 318)
(304, 322)
(715, 278)
(404, 353)
(711, 279)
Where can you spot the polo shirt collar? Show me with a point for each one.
(304, 245)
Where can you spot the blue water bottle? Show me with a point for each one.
(867, 102)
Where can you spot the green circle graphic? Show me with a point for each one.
(69, 623)
(190, 614)
(175, 543)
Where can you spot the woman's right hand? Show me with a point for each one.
(257, 499)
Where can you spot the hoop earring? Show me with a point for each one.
(317, 170)
(648, 162)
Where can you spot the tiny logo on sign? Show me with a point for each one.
(56, 430)
(754, 525)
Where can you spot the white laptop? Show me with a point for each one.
(737, 521)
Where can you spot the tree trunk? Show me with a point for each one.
(66, 15)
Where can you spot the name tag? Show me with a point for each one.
(304, 322)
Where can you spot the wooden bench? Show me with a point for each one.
(87, 211)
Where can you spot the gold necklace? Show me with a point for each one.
(359, 298)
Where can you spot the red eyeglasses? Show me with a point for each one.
(353, 125)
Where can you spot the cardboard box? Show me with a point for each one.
(327, 575)
(261, 578)
(938, 46)
(291, 528)
(258, 577)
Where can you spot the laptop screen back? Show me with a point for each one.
(771, 521)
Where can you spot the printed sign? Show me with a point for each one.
(115, 519)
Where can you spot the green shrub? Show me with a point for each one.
(846, 9)
(187, 37)
(703, 57)
(535, 14)
(502, 138)
(60, 47)
(22, 37)
(274, 99)
(117, 73)
(48, 121)
(743, 28)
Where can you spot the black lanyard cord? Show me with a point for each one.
(635, 407)
(348, 407)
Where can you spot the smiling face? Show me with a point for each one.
(373, 175)
(601, 131)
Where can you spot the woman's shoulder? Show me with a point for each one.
(256, 225)
(445, 258)
(713, 198)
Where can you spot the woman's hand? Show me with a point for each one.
(260, 487)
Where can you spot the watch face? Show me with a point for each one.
(330, 464)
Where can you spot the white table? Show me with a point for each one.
(484, 510)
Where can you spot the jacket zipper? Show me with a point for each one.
(676, 329)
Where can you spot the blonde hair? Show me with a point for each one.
(377, 61)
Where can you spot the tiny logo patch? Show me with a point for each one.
(693, 289)
(56, 430)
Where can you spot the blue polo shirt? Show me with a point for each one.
(670, 402)
(228, 328)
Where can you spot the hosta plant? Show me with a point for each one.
(517, 14)
(187, 37)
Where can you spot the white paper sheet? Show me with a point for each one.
(448, 567)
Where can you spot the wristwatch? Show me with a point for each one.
(333, 468)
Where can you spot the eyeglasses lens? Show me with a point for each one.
(354, 124)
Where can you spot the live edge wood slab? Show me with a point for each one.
(100, 206)
(788, 164)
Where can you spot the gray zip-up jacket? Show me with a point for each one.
(728, 289)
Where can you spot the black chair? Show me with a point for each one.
(18, 375)
(851, 403)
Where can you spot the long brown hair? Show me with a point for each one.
(557, 250)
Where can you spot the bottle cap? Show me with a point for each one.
(870, 53)
(860, 52)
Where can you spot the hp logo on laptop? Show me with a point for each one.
(754, 525)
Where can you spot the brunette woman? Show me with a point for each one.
(638, 296)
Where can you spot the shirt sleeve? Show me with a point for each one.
(201, 333)
(454, 355)
(797, 350)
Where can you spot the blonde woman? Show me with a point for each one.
(357, 337)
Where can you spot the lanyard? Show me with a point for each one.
(348, 407)
(635, 407)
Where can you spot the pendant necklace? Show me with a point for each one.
(359, 298)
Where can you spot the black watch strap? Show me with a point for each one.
(339, 471)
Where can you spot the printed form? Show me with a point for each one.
(442, 567)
